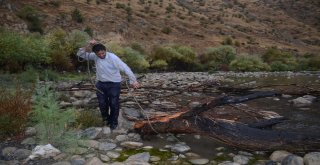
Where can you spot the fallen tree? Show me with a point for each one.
(246, 136)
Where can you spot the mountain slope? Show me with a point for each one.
(252, 26)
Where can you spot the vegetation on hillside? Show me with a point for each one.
(56, 51)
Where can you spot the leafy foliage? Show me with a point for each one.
(248, 63)
(18, 51)
(134, 59)
(14, 109)
(177, 57)
(77, 16)
(279, 60)
(218, 58)
(309, 62)
(86, 119)
(31, 15)
(63, 47)
(51, 121)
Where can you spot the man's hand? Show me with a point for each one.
(93, 42)
(135, 85)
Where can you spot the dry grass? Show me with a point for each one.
(14, 109)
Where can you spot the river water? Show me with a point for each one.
(299, 118)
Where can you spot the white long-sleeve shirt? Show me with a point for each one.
(108, 69)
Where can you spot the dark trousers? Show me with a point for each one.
(108, 94)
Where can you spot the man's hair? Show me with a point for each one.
(98, 47)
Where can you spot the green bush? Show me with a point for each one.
(51, 122)
(309, 62)
(77, 16)
(63, 47)
(86, 119)
(281, 66)
(159, 65)
(280, 60)
(138, 47)
(31, 15)
(177, 57)
(14, 109)
(18, 51)
(166, 30)
(218, 58)
(248, 63)
(134, 59)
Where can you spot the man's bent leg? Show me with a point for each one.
(103, 101)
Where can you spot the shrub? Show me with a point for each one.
(166, 30)
(87, 119)
(14, 109)
(279, 60)
(309, 62)
(159, 65)
(77, 16)
(63, 47)
(227, 41)
(138, 47)
(89, 31)
(248, 63)
(280, 66)
(218, 58)
(120, 6)
(18, 51)
(177, 57)
(51, 121)
(31, 15)
(134, 59)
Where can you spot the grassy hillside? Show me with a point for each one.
(250, 26)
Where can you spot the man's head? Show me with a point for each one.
(99, 50)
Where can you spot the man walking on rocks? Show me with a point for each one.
(108, 79)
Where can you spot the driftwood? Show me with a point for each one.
(247, 136)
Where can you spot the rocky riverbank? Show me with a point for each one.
(162, 94)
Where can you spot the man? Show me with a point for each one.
(108, 67)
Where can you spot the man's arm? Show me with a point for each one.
(83, 53)
(125, 68)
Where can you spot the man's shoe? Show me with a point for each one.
(106, 123)
(113, 126)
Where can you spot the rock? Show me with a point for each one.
(62, 163)
(286, 96)
(21, 154)
(245, 153)
(312, 158)
(304, 101)
(77, 160)
(147, 147)
(105, 146)
(8, 151)
(197, 137)
(228, 163)
(104, 158)
(29, 141)
(89, 143)
(154, 158)
(113, 155)
(180, 148)
(76, 150)
(121, 138)
(30, 131)
(90, 156)
(134, 136)
(94, 161)
(192, 155)
(292, 160)
(130, 144)
(241, 159)
(141, 157)
(194, 104)
(279, 155)
(220, 149)
(91, 133)
(106, 131)
(199, 161)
